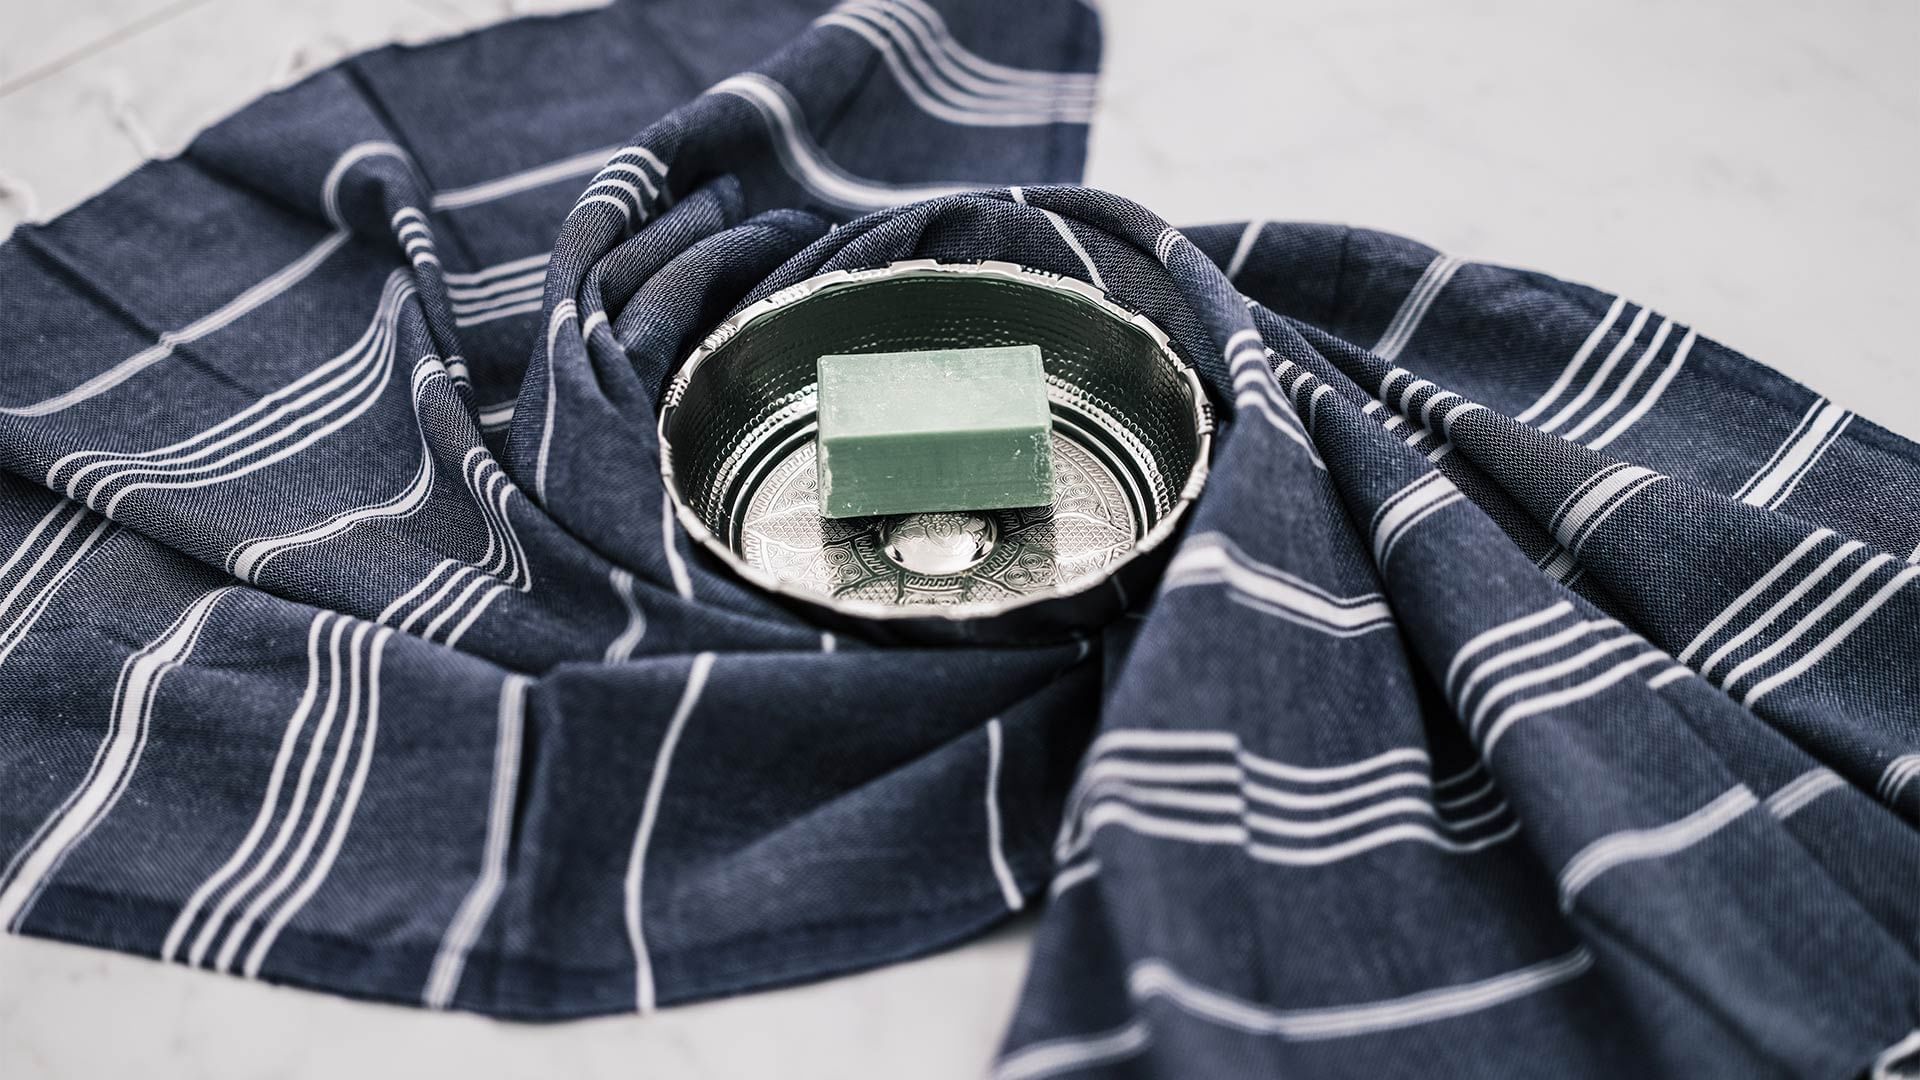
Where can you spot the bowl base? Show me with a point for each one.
(964, 557)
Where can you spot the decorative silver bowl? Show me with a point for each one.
(1132, 432)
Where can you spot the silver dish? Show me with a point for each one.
(1131, 438)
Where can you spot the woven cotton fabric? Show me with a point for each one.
(1533, 691)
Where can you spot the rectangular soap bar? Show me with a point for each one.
(944, 429)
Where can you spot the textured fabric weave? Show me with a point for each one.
(1532, 693)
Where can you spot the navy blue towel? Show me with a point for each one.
(1536, 690)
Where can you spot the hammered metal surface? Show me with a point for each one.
(1131, 437)
(1089, 527)
(761, 378)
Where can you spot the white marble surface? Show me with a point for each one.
(1745, 167)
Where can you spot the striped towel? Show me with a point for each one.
(1534, 691)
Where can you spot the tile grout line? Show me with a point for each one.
(105, 41)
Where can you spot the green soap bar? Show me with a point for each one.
(944, 429)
